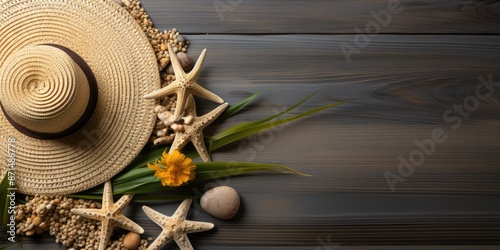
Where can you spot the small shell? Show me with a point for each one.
(166, 117)
(160, 108)
(177, 127)
(163, 140)
(161, 132)
(164, 63)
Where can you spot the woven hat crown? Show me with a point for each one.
(44, 91)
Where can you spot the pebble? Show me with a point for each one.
(20, 215)
(119, 2)
(186, 63)
(37, 221)
(221, 202)
(131, 240)
(181, 39)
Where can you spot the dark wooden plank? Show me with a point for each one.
(325, 16)
(421, 74)
(398, 89)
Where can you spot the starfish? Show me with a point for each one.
(193, 130)
(109, 215)
(175, 227)
(184, 84)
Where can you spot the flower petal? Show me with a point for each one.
(173, 169)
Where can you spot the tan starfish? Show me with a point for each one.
(109, 215)
(184, 84)
(193, 130)
(175, 227)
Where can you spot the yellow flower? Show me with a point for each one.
(173, 169)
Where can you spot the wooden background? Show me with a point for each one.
(413, 71)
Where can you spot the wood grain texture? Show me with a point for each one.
(399, 88)
(325, 16)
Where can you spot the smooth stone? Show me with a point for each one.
(181, 39)
(37, 220)
(121, 3)
(186, 63)
(131, 240)
(221, 202)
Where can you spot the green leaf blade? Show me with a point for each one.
(237, 133)
(253, 123)
(232, 110)
(4, 200)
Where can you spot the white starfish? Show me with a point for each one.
(110, 215)
(184, 84)
(193, 131)
(175, 227)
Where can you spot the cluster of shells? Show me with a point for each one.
(166, 126)
(53, 215)
(164, 131)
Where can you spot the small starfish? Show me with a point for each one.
(175, 227)
(194, 130)
(184, 84)
(109, 215)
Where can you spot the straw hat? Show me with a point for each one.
(72, 77)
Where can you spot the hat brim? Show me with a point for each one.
(124, 65)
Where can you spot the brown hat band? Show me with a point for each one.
(86, 114)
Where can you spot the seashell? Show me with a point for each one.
(163, 140)
(164, 62)
(166, 117)
(221, 202)
(160, 108)
(177, 127)
(161, 132)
